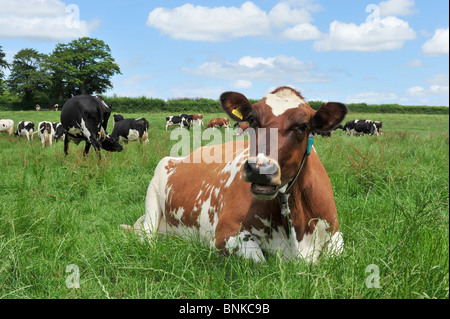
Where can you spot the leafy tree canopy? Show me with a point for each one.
(28, 73)
(83, 66)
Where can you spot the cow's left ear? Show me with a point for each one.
(236, 105)
(328, 116)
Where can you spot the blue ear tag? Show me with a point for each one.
(310, 143)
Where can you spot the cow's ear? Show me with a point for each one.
(236, 105)
(328, 116)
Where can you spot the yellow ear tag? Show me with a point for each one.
(237, 113)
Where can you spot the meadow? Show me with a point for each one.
(60, 216)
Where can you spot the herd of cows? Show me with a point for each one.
(86, 117)
(250, 205)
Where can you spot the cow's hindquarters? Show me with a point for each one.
(152, 221)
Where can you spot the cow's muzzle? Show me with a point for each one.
(264, 174)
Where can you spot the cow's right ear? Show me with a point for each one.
(236, 105)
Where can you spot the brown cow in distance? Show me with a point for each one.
(218, 122)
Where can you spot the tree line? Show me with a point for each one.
(82, 66)
(86, 66)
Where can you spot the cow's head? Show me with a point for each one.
(110, 144)
(285, 113)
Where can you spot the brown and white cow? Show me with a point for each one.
(244, 205)
(218, 122)
(198, 118)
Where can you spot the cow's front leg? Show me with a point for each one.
(87, 148)
(239, 242)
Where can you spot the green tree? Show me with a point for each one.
(3, 65)
(29, 74)
(83, 66)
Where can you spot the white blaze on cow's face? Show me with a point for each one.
(283, 100)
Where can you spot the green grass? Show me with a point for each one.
(392, 195)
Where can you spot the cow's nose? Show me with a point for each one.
(262, 170)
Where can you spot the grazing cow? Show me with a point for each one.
(177, 120)
(218, 122)
(246, 205)
(130, 129)
(198, 118)
(59, 131)
(85, 117)
(328, 133)
(7, 126)
(193, 118)
(379, 126)
(25, 128)
(188, 118)
(241, 127)
(46, 133)
(362, 127)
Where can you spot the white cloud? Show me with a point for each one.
(380, 34)
(199, 23)
(372, 97)
(282, 14)
(301, 32)
(273, 69)
(242, 84)
(438, 86)
(214, 24)
(47, 20)
(416, 63)
(415, 91)
(438, 44)
(396, 7)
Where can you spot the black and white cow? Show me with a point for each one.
(46, 133)
(362, 127)
(25, 128)
(328, 133)
(177, 120)
(130, 129)
(189, 118)
(85, 117)
(59, 131)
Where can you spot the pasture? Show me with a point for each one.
(61, 213)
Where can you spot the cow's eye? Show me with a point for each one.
(299, 128)
(251, 120)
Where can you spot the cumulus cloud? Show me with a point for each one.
(301, 32)
(273, 69)
(438, 86)
(241, 84)
(438, 44)
(379, 34)
(396, 7)
(47, 20)
(214, 24)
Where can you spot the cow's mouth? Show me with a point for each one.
(266, 192)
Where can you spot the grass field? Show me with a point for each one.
(59, 215)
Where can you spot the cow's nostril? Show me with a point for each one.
(263, 172)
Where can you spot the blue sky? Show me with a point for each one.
(391, 51)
